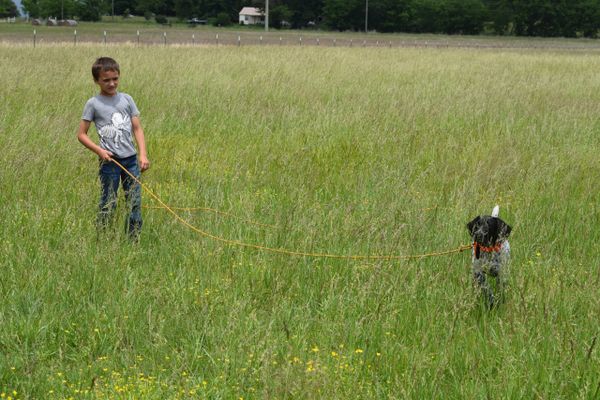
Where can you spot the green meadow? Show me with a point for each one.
(345, 151)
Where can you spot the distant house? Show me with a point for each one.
(251, 16)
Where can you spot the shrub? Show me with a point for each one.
(222, 19)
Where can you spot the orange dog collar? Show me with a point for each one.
(494, 249)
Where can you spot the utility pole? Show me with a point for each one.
(367, 16)
(62, 10)
(267, 15)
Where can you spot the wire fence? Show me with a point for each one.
(183, 37)
(166, 38)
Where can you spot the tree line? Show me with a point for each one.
(566, 18)
(8, 9)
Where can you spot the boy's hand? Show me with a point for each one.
(105, 155)
(144, 163)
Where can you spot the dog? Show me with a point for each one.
(490, 253)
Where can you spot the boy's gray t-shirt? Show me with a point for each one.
(112, 117)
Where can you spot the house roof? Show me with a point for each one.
(252, 11)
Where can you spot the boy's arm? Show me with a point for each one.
(141, 142)
(84, 139)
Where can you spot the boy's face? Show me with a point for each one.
(108, 82)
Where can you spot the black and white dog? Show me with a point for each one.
(491, 253)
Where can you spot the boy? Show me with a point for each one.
(116, 117)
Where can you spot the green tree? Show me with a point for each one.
(463, 16)
(539, 17)
(121, 6)
(390, 15)
(344, 14)
(223, 19)
(279, 14)
(304, 11)
(91, 10)
(50, 8)
(501, 15)
(165, 7)
(185, 9)
(231, 7)
(146, 7)
(586, 18)
(32, 8)
(8, 9)
(426, 16)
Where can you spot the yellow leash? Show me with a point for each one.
(285, 251)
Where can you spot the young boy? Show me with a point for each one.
(117, 121)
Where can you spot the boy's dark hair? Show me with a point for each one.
(104, 64)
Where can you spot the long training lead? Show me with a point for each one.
(286, 251)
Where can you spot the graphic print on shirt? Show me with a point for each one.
(118, 130)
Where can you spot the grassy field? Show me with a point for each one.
(344, 151)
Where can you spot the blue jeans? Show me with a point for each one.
(110, 175)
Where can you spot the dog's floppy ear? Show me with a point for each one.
(471, 225)
(503, 229)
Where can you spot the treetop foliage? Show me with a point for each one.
(8, 9)
(568, 18)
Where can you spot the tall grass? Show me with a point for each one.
(345, 151)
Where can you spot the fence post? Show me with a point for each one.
(75, 37)
(105, 38)
(300, 40)
(217, 39)
(165, 38)
(390, 44)
(260, 41)
(318, 42)
(138, 37)
(333, 42)
(34, 35)
(364, 43)
(239, 41)
(280, 42)
(350, 42)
